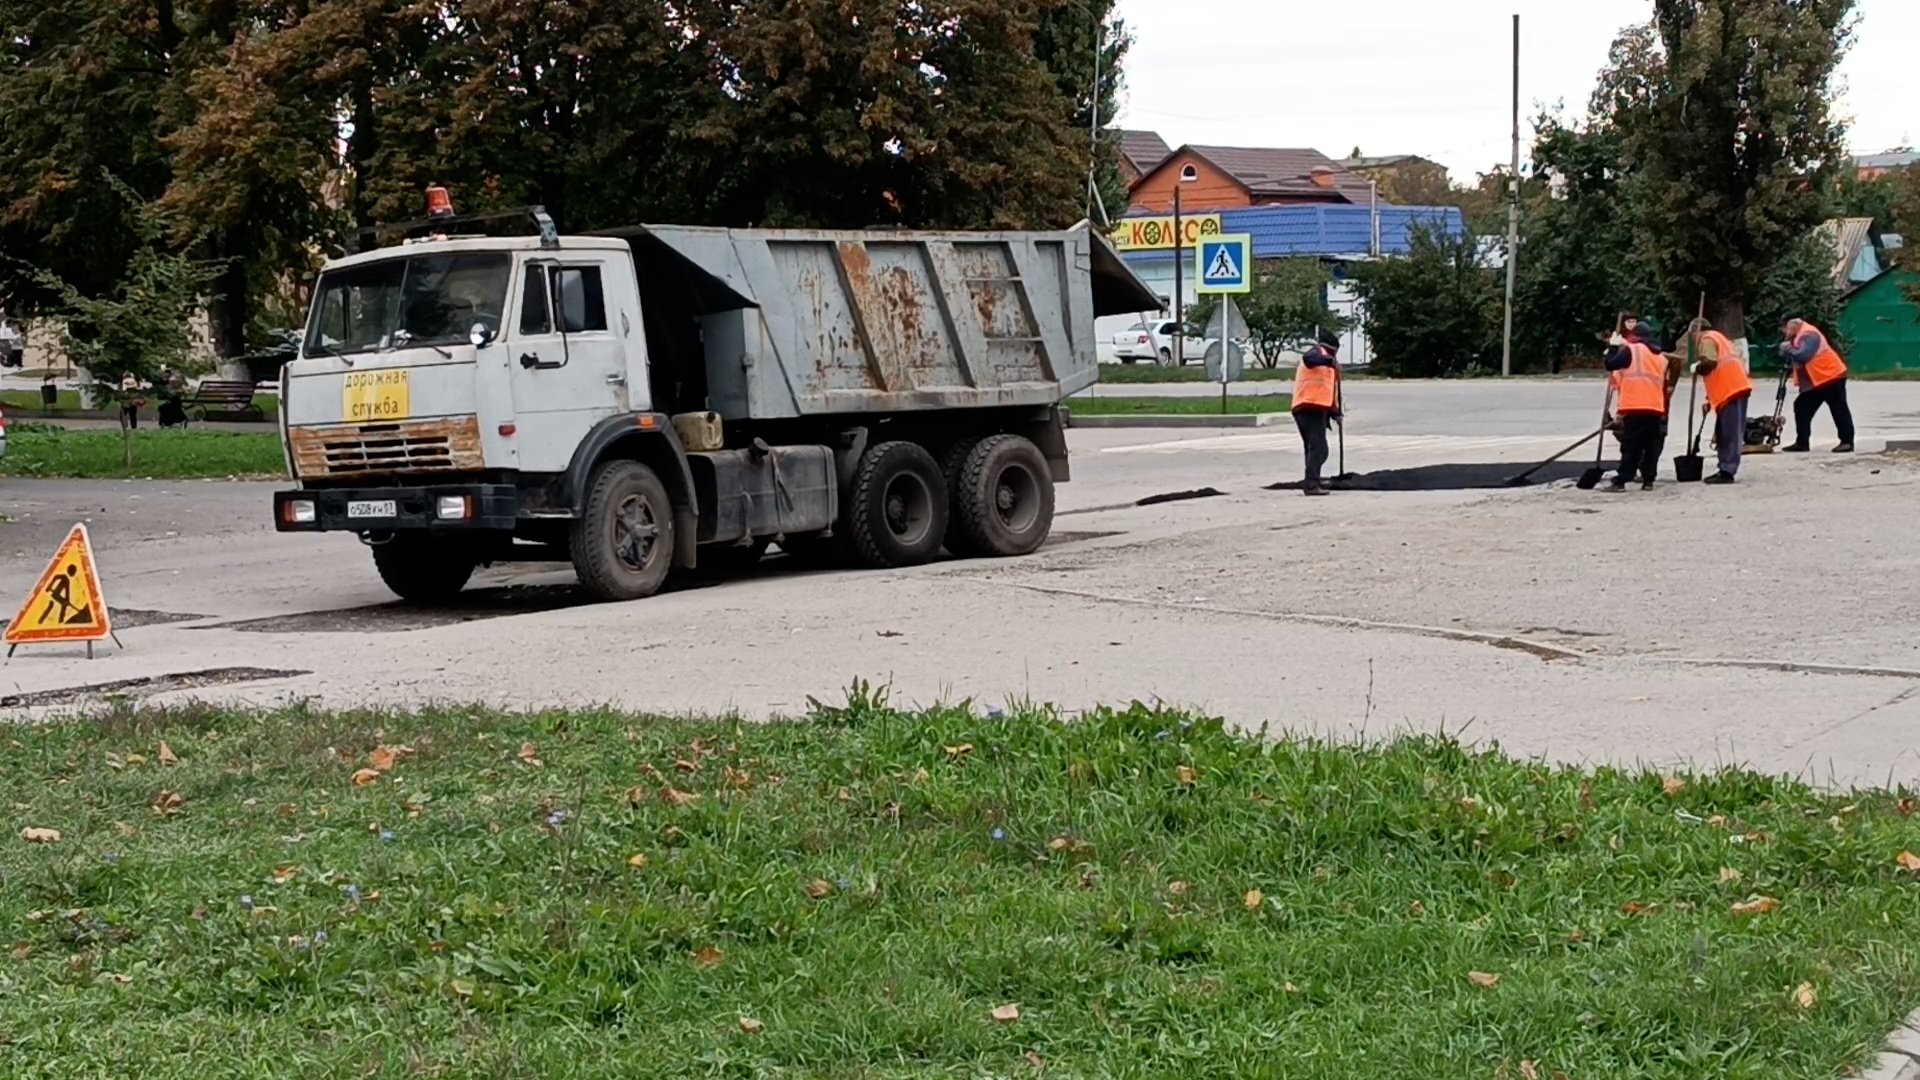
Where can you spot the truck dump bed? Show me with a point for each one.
(767, 324)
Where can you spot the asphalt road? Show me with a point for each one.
(1772, 623)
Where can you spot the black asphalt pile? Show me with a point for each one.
(1448, 477)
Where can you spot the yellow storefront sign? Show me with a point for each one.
(1156, 233)
(372, 397)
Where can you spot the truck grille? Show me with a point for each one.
(446, 445)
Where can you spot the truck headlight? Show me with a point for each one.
(454, 508)
(299, 512)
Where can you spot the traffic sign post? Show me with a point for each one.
(1223, 264)
(66, 604)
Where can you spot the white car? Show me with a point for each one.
(1154, 341)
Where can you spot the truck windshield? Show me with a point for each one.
(420, 300)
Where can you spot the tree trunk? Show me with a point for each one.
(227, 312)
(1728, 314)
(126, 437)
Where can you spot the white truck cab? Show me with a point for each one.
(675, 397)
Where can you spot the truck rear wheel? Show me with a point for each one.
(897, 509)
(952, 461)
(622, 546)
(423, 568)
(1003, 498)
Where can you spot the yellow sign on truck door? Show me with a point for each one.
(375, 397)
(66, 604)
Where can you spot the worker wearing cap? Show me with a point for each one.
(1316, 404)
(1822, 377)
(1718, 363)
(1641, 386)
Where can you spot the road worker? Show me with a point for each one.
(1719, 365)
(1822, 378)
(1316, 404)
(1638, 372)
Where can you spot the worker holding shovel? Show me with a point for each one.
(1316, 404)
(1728, 391)
(1639, 377)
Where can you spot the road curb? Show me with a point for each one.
(1164, 420)
(1903, 446)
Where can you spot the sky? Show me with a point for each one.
(1431, 77)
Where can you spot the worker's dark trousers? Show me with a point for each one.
(1313, 424)
(1642, 437)
(1730, 433)
(1834, 397)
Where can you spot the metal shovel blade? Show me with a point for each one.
(1591, 478)
(1688, 468)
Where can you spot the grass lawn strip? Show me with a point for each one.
(878, 893)
(1145, 373)
(1239, 405)
(41, 450)
(26, 405)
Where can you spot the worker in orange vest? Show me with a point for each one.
(1728, 390)
(1822, 378)
(1316, 404)
(1639, 375)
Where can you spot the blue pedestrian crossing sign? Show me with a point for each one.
(1224, 264)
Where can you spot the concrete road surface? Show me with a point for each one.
(1774, 623)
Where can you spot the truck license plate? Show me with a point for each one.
(372, 397)
(373, 508)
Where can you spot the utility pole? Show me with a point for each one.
(1094, 199)
(1513, 210)
(1179, 320)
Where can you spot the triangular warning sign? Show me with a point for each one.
(67, 604)
(1223, 268)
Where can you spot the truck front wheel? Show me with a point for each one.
(423, 568)
(623, 545)
(897, 508)
(1002, 498)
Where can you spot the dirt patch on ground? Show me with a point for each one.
(144, 688)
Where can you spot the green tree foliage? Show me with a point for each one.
(1285, 308)
(1727, 136)
(1435, 312)
(127, 338)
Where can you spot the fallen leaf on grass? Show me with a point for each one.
(22, 950)
(637, 861)
(687, 766)
(1290, 988)
(168, 803)
(1485, 980)
(1804, 997)
(1528, 1072)
(1036, 1061)
(530, 754)
(1728, 875)
(1905, 807)
(1006, 1014)
(167, 756)
(1635, 907)
(1756, 905)
(40, 836)
(381, 759)
(118, 979)
(1672, 785)
(751, 1026)
(1176, 888)
(1717, 820)
(364, 777)
(284, 874)
(673, 797)
(461, 988)
(958, 752)
(708, 956)
(1184, 774)
(1909, 862)
(818, 889)
(1253, 899)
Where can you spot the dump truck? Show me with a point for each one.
(671, 397)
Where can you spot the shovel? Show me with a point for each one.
(1340, 472)
(1688, 467)
(1591, 478)
(1521, 480)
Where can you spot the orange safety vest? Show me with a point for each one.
(1642, 385)
(1314, 387)
(1826, 365)
(1728, 379)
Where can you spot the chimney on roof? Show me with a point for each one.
(1321, 176)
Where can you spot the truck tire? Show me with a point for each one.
(622, 546)
(424, 569)
(952, 461)
(897, 508)
(1003, 503)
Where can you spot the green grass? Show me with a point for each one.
(26, 403)
(1904, 375)
(1237, 405)
(1143, 372)
(590, 894)
(160, 453)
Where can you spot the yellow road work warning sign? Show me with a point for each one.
(66, 605)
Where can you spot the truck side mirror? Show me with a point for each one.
(480, 335)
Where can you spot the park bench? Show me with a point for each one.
(221, 396)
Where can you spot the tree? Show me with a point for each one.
(142, 327)
(1064, 41)
(1724, 111)
(1285, 308)
(1436, 312)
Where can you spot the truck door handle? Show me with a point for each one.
(532, 362)
(616, 380)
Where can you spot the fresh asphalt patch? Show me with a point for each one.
(135, 618)
(145, 687)
(1448, 477)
